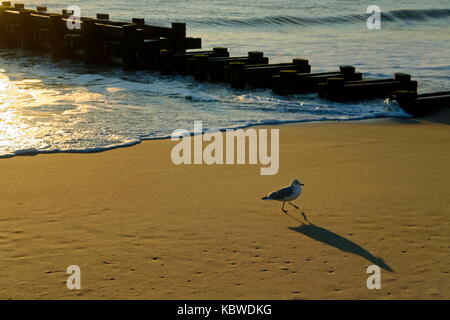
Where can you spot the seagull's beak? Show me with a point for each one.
(302, 184)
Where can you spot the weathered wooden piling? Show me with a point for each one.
(421, 104)
(201, 72)
(89, 44)
(3, 41)
(19, 6)
(138, 21)
(309, 82)
(334, 86)
(140, 39)
(165, 60)
(235, 69)
(26, 30)
(109, 40)
(214, 67)
(158, 38)
(337, 89)
(41, 31)
(111, 52)
(149, 52)
(260, 76)
(129, 45)
(115, 44)
(188, 63)
(57, 31)
(179, 37)
(287, 81)
(103, 16)
(220, 52)
(180, 59)
(41, 9)
(255, 55)
(66, 12)
(11, 28)
(74, 43)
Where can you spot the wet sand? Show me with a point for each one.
(140, 227)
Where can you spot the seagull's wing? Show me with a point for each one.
(281, 194)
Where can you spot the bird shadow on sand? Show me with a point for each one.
(339, 242)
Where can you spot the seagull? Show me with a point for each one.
(286, 194)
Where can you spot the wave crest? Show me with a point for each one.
(390, 16)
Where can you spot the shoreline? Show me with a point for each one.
(33, 153)
(140, 227)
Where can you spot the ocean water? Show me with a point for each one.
(65, 106)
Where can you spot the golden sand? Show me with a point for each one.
(141, 227)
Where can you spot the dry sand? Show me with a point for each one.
(140, 227)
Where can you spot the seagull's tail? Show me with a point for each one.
(265, 198)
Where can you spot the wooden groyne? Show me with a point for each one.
(339, 89)
(421, 104)
(135, 45)
(132, 45)
(288, 82)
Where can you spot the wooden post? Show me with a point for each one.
(129, 43)
(140, 39)
(67, 13)
(57, 27)
(237, 75)
(334, 83)
(300, 61)
(89, 41)
(303, 65)
(2, 25)
(138, 21)
(166, 61)
(332, 88)
(255, 56)
(41, 9)
(347, 70)
(275, 84)
(287, 82)
(102, 16)
(220, 52)
(422, 104)
(4, 43)
(402, 77)
(179, 36)
(405, 95)
(19, 6)
(26, 30)
(201, 67)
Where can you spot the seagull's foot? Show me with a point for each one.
(293, 205)
(304, 217)
(284, 210)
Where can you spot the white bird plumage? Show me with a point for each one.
(286, 194)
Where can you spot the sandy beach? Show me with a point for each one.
(140, 227)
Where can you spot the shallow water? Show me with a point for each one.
(64, 106)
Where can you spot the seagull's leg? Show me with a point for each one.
(304, 217)
(293, 205)
(282, 208)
